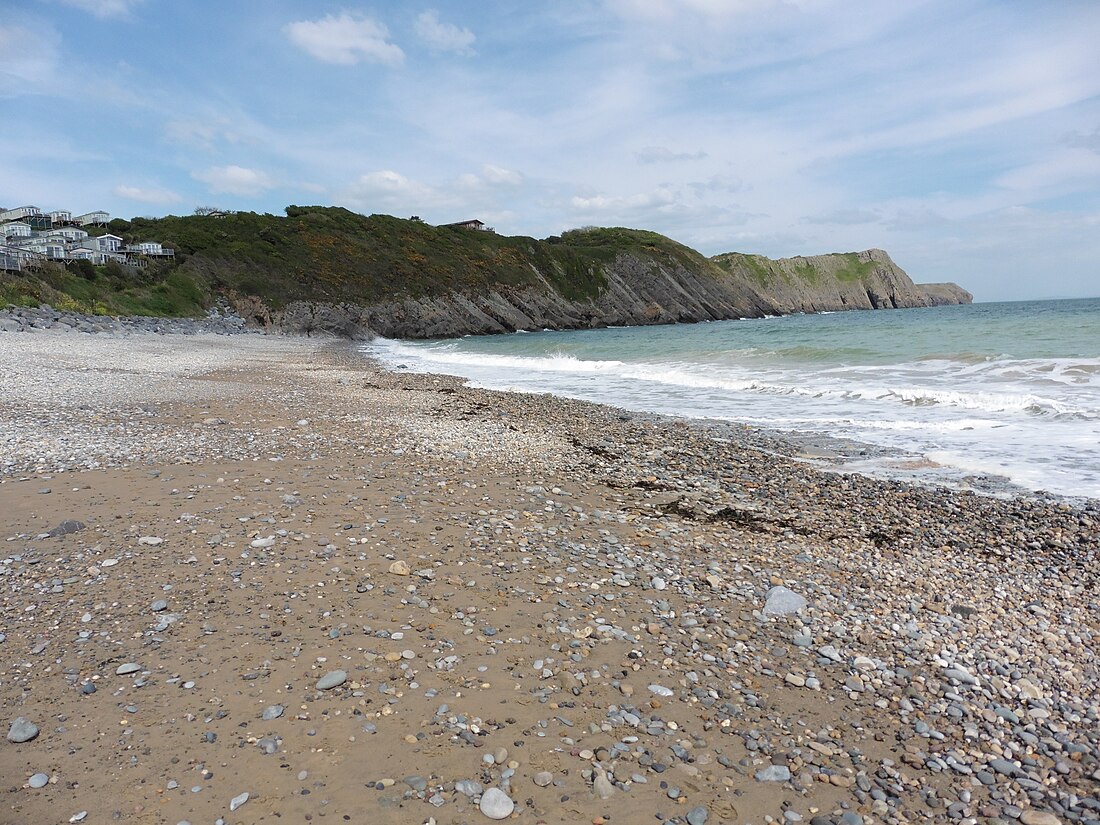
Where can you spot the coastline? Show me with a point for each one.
(944, 666)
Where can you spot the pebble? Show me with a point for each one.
(159, 605)
(272, 712)
(1033, 817)
(38, 780)
(22, 730)
(543, 778)
(66, 527)
(126, 669)
(238, 800)
(698, 815)
(602, 786)
(496, 804)
(332, 680)
(468, 787)
(781, 601)
(773, 773)
(400, 568)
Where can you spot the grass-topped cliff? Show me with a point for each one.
(407, 277)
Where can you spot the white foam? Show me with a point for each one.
(1035, 421)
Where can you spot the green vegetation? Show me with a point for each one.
(321, 254)
(332, 254)
(854, 269)
(757, 267)
(607, 243)
(765, 271)
(806, 272)
(122, 292)
(329, 254)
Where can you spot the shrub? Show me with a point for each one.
(84, 269)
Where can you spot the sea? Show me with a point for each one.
(988, 396)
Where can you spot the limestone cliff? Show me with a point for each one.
(638, 289)
(830, 283)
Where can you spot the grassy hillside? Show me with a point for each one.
(844, 266)
(323, 254)
(332, 254)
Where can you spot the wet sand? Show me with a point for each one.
(572, 605)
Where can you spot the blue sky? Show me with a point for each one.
(962, 136)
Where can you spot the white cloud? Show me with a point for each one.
(671, 9)
(1069, 169)
(844, 217)
(27, 54)
(387, 190)
(662, 154)
(661, 196)
(135, 193)
(486, 193)
(724, 184)
(235, 180)
(345, 39)
(1085, 140)
(497, 175)
(199, 133)
(104, 8)
(443, 37)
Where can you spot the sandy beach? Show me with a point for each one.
(254, 579)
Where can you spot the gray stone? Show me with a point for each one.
(417, 783)
(468, 787)
(782, 602)
(1004, 767)
(698, 815)
(159, 605)
(129, 667)
(602, 786)
(238, 800)
(38, 780)
(1033, 817)
(332, 680)
(22, 730)
(272, 712)
(66, 527)
(496, 804)
(773, 773)
(543, 778)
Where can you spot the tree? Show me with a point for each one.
(207, 210)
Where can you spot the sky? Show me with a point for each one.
(962, 136)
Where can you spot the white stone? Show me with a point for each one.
(496, 804)
(782, 602)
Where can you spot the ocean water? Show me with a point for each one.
(1003, 390)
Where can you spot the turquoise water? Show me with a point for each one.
(1003, 389)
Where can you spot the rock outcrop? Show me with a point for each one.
(832, 283)
(638, 290)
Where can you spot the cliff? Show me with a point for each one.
(328, 270)
(831, 283)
